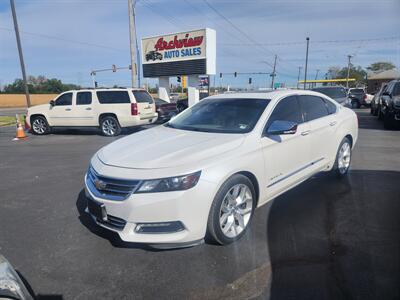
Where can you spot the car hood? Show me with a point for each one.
(163, 147)
(39, 107)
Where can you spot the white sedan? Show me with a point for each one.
(203, 173)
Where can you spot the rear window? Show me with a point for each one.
(357, 91)
(332, 92)
(142, 97)
(113, 97)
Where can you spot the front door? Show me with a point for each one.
(61, 113)
(286, 156)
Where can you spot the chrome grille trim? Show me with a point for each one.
(113, 222)
(114, 189)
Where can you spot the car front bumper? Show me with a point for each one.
(190, 208)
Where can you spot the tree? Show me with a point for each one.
(381, 66)
(355, 72)
(38, 85)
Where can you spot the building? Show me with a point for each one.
(375, 80)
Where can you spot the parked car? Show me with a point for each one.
(11, 284)
(153, 55)
(390, 105)
(174, 97)
(337, 93)
(375, 103)
(165, 110)
(108, 109)
(357, 97)
(204, 172)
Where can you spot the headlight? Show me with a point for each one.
(178, 183)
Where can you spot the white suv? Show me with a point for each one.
(109, 109)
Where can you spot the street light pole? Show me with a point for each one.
(21, 57)
(348, 70)
(132, 39)
(305, 69)
(273, 73)
(298, 77)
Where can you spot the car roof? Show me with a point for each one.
(269, 95)
(105, 89)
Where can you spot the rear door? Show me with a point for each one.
(83, 112)
(322, 125)
(61, 113)
(145, 104)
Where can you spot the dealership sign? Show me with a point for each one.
(184, 53)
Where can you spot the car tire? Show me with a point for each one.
(109, 126)
(228, 220)
(40, 126)
(387, 121)
(343, 158)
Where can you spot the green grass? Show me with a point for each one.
(10, 120)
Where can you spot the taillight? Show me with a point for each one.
(365, 97)
(134, 109)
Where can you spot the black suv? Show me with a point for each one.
(357, 97)
(390, 105)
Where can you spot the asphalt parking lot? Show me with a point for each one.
(326, 239)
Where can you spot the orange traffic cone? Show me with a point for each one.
(20, 134)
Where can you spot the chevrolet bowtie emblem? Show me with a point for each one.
(99, 184)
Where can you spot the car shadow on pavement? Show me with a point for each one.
(87, 221)
(32, 292)
(94, 131)
(334, 238)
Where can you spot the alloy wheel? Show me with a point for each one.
(109, 127)
(235, 211)
(344, 158)
(39, 126)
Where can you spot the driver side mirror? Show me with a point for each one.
(52, 103)
(279, 127)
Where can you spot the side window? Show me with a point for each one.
(330, 106)
(287, 109)
(396, 89)
(65, 99)
(83, 98)
(142, 97)
(113, 97)
(313, 107)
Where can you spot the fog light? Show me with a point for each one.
(164, 227)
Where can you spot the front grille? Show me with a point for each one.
(110, 188)
(113, 222)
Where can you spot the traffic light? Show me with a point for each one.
(95, 84)
(114, 68)
(220, 75)
(250, 80)
(235, 74)
(179, 79)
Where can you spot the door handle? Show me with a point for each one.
(88, 108)
(67, 109)
(305, 132)
(332, 123)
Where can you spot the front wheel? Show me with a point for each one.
(231, 210)
(343, 158)
(109, 126)
(40, 125)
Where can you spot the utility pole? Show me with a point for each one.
(132, 39)
(273, 73)
(348, 70)
(316, 77)
(298, 77)
(21, 57)
(305, 71)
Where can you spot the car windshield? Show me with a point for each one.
(332, 92)
(227, 115)
(160, 102)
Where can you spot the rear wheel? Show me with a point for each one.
(40, 125)
(231, 210)
(388, 121)
(343, 158)
(109, 126)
